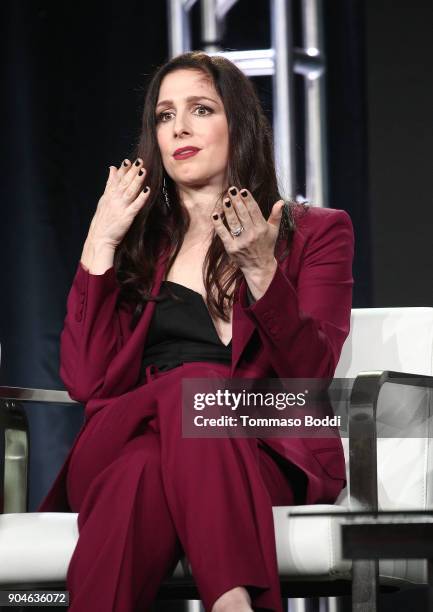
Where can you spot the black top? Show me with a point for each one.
(182, 331)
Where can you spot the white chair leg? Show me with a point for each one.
(329, 604)
(194, 605)
(297, 605)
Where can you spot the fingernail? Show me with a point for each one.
(137, 163)
(233, 191)
(125, 163)
(215, 216)
(146, 189)
(244, 193)
(227, 203)
(141, 172)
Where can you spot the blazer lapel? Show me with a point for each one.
(123, 372)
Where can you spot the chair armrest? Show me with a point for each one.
(363, 432)
(14, 424)
(23, 394)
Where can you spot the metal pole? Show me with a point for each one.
(315, 116)
(179, 36)
(284, 130)
(210, 29)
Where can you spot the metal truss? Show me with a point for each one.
(282, 61)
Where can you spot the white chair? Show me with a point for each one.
(35, 548)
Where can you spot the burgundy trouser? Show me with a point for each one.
(146, 496)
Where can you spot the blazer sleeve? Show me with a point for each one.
(91, 335)
(303, 328)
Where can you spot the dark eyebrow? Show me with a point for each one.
(188, 99)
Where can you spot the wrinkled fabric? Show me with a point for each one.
(146, 495)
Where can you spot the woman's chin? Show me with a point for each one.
(193, 181)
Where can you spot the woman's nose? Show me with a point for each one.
(181, 125)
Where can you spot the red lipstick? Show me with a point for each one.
(185, 152)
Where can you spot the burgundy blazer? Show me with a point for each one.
(295, 330)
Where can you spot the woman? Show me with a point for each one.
(193, 267)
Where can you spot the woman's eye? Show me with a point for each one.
(199, 110)
(204, 108)
(162, 116)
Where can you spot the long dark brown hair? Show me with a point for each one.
(250, 165)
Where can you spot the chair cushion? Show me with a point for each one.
(37, 547)
(399, 339)
(311, 547)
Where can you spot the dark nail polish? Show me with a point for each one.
(227, 203)
(141, 172)
(146, 189)
(233, 191)
(137, 163)
(125, 163)
(215, 216)
(244, 193)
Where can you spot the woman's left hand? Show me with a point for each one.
(252, 250)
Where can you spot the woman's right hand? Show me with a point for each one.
(122, 199)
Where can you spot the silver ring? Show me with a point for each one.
(237, 232)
